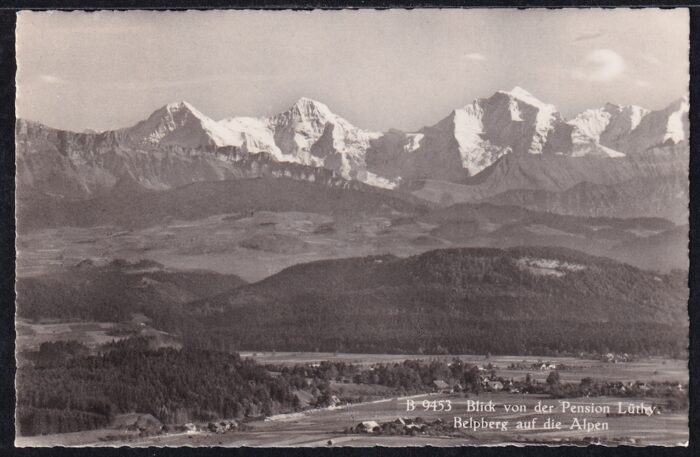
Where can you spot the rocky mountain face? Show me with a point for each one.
(617, 130)
(502, 143)
(307, 133)
(472, 138)
(71, 165)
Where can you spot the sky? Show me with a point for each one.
(378, 69)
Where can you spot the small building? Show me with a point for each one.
(367, 426)
(494, 386)
(441, 386)
(222, 426)
(143, 423)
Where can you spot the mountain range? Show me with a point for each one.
(178, 143)
(462, 144)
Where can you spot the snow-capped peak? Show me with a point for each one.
(309, 101)
(525, 96)
(545, 118)
(182, 124)
(309, 109)
(176, 106)
(677, 124)
(180, 107)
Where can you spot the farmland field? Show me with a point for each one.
(647, 369)
(317, 427)
(31, 335)
(262, 244)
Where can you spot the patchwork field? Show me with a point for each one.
(250, 246)
(31, 335)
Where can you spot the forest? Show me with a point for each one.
(82, 392)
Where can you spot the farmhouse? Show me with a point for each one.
(145, 424)
(494, 386)
(367, 426)
(441, 386)
(222, 426)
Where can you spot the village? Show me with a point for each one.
(328, 386)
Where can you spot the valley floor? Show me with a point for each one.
(315, 429)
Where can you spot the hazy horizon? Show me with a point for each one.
(378, 69)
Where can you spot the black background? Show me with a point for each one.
(7, 236)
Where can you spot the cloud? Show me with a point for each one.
(50, 79)
(474, 56)
(589, 35)
(642, 83)
(601, 65)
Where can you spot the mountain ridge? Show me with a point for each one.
(509, 142)
(464, 143)
(467, 300)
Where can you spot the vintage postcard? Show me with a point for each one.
(447, 227)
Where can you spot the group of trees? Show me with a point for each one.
(441, 334)
(175, 386)
(406, 376)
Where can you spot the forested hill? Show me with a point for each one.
(116, 291)
(519, 300)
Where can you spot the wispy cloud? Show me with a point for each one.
(589, 35)
(474, 56)
(601, 65)
(50, 79)
(642, 83)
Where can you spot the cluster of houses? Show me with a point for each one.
(542, 366)
(222, 426)
(487, 384)
(611, 357)
(399, 426)
(633, 388)
(143, 423)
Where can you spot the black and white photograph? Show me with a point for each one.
(352, 228)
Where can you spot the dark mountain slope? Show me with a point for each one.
(668, 249)
(465, 300)
(661, 196)
(649, 183)
(113, 292)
